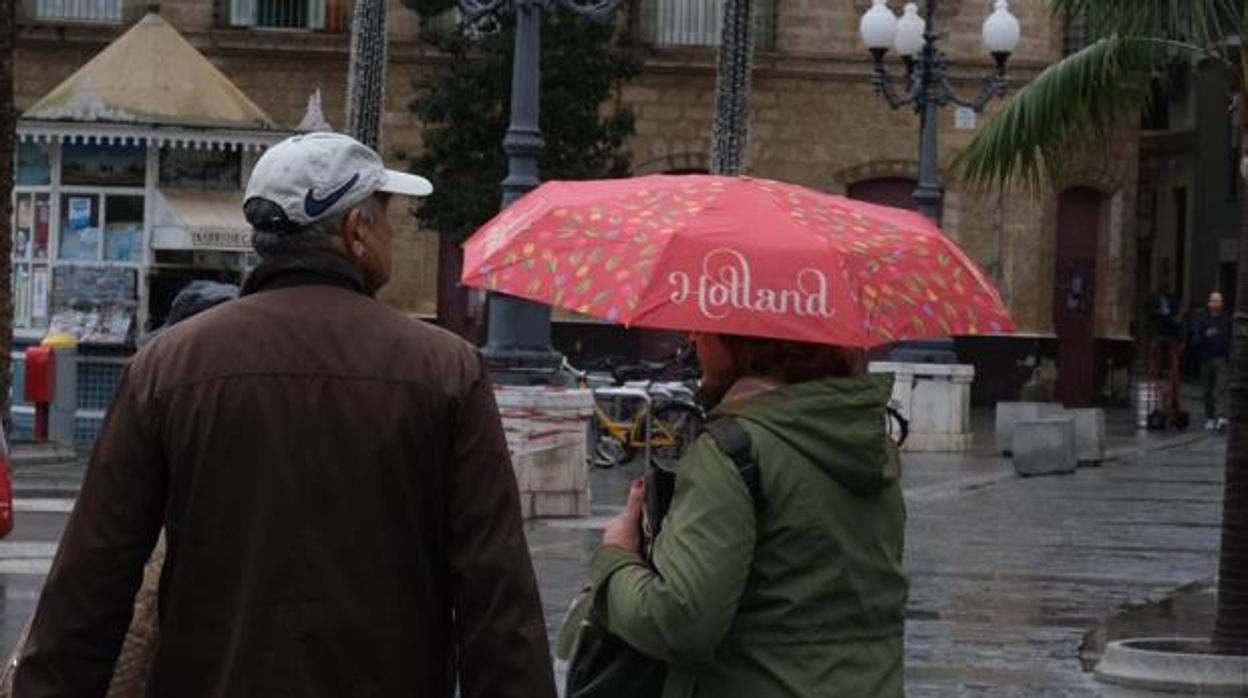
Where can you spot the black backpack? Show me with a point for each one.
(601, 664)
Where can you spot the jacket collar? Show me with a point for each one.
(307, 268)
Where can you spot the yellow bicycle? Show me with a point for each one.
(639, 416)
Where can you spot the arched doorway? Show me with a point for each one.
(897, 192)
(1078, 226)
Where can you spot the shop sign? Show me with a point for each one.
(220, 239)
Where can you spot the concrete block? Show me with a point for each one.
(1089, 435)
(1044, 446)
(1011, 413)
(546, 430)
(936, 398)
(556, 468)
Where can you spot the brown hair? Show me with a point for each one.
(791, 362)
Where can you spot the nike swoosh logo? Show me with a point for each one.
(315, 206)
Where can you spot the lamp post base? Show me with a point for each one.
(518, 351)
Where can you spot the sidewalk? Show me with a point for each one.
(46, 470)
(1007, 574)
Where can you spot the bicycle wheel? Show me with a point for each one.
(601, 450)
(675, 426)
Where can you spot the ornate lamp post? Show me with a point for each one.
(927, 77)
(928, 89)
(518, 345)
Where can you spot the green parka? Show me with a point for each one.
(806, 599)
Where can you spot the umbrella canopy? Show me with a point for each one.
(735, 256)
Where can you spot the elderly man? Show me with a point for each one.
(332, 477)
(1211, 338)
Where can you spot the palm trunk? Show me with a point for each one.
(366, 73)
(8, 128)
(1230, 633)
(730, 136)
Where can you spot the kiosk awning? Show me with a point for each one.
(200, 221)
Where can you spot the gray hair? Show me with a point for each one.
(316, 235)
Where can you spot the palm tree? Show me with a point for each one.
(730, 136)
(1081, 100)
(8, 130)
(366, 73)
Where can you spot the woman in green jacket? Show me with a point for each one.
(805, 598)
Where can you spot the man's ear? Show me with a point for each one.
(353, 233)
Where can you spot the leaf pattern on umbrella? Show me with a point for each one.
(595, 247)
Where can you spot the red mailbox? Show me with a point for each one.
(41, 386)
(40, 374)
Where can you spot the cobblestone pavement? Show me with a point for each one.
(1007, 574)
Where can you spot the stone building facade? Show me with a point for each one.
(816, 122)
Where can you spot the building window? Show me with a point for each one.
(1074, 35)
(32, 222)
(34, 164)
(305, 15)
(699, 22)
(103, 165)
(101, 227)
(103, 11)
(205, 170)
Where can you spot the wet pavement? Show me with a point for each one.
(1008, 574)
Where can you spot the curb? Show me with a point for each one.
(34, 455)
(945, 490)
(1173, 665)
(1162, 445)
(44, 490)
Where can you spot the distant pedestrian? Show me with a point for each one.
(340, 511)
(783, 577)
(1211, 340)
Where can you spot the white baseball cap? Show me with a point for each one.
(316, 175)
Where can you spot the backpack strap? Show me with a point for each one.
(903, 424)
(734, 441)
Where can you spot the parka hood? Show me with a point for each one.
(838, 425)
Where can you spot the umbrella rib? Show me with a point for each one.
(862, 327)
(636, 315)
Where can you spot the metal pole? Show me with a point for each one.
(928, 196)
(518, 348)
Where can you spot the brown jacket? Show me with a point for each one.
(340, 510)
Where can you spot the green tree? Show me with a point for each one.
(463, 106)
(1084, 99)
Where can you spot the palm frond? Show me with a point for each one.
(1074, 103)
(1205, 24)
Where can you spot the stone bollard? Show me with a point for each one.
(1089, 435)
(1044, 446)
(1011, 413)
(546, 429)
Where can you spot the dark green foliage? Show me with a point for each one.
(464, 108)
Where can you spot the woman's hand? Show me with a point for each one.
(624, 531)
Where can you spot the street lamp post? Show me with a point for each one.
(518, 347)
(929, 89)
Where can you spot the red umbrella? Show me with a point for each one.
(735, 256)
